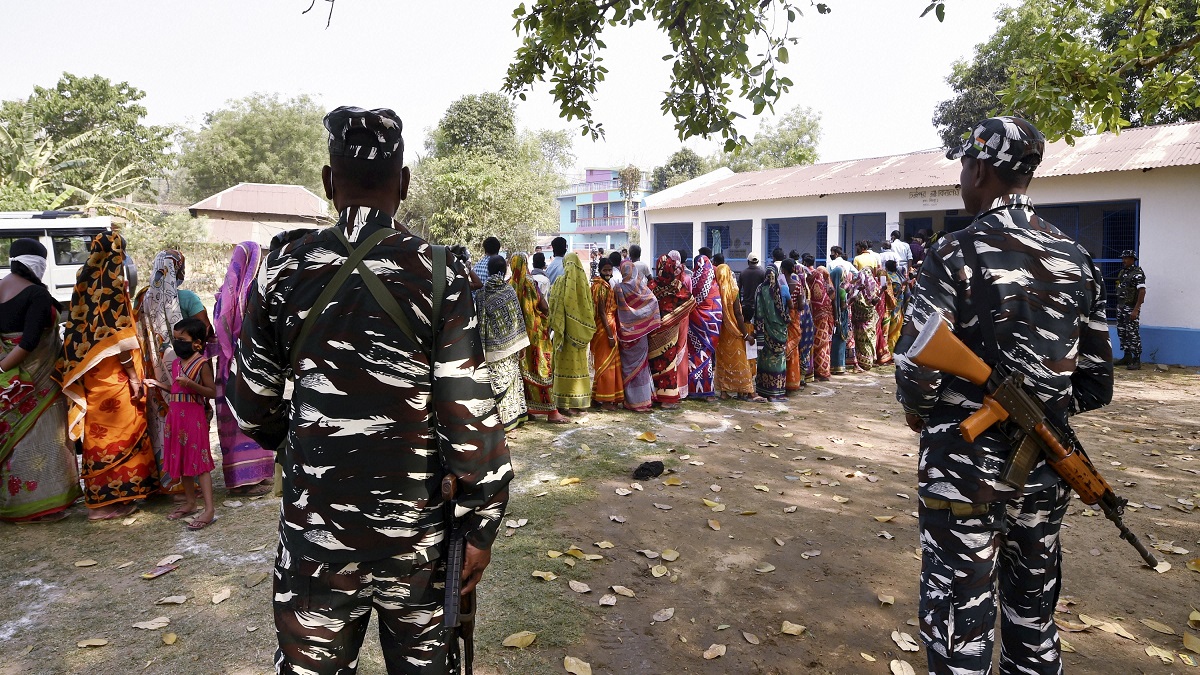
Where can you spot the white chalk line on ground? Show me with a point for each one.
(46, 594)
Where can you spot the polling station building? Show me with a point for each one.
(1139, 189)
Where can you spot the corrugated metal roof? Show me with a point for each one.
(1131, 150)
(265, 198)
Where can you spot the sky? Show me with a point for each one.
(872, 69)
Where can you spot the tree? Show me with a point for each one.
(682, 166)
(710, 56)
(484, 122)
(257, 139)
(111, 116)
(630, 181)
(1071, 67)
(792, 141)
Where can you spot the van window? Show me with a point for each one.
(71, 249)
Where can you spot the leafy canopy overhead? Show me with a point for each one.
(257, 139)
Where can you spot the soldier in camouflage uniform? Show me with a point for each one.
(1015, 290)
(1131, 293)
(363, 523)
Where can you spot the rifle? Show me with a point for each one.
(1008, 399)
(458, 616)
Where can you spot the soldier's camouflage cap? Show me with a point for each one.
(1004, 142)
(1128, 253)
(384, 126)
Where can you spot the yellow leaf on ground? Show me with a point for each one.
(886, 599)
(885, 519)
(718, 508)
(867, 657)
(170, 638)
(899, 667)
(621, 590)
(1163, 655)
(576, 666)
(1191, 642)
(85, 563)
(840, 499)
(576, 552)
(548, 576)
(648, 436)
(763, 568)
(1194, 565)
(568, 481)
(579, 586)
(714, 524)
(659, 571)
(714, 651)
(520, 640)
(670, 555)
(169, 560)
(1194, 619)
(220, 596)
(673, 481)
(153, 624)
(93, 642)
(1066, 646)
(709, 503)
(1163, 567)
(1160, 627)
(593, 556)
(553, 554)
(762, 488)
(790, 628)
(905, 641)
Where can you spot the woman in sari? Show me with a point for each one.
(843, 333)
(800, 326)
(537, 359)
(704, 330)
(820, 291)
(39, 479)
(572, 326)
(668, 351)
(608, 388)
(247, 467)
(863, 297)
(883, 306)
(637, 317)
(502, 331)
(102, 371)
(896, 312)
(734, 377)
(683, 372)
(771, 313)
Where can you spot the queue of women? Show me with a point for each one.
(686, 332)
(127, 381)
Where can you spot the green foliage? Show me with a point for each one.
(15, 197)
(484, 123)
(1071, 67)
(792, 141)
(107, 117)
(682, 166)
(206, 262)
(483, 179)
(710, 57)
(630, 180)
(257, 139)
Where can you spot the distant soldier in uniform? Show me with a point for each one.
(1131, 293)
(1017, 291)
(387, 400)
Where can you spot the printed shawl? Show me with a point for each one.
(572, 316)
(536, 364)
(772, 311)
(675, 300)
(231, 303)
(502, 327)
(637, 308)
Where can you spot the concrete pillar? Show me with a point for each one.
(697, 238)
(833, 231)
(758, 238)
(891, 223)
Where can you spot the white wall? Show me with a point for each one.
(1169, 218)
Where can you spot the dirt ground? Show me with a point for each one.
(818, 523)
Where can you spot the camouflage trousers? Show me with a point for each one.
(322, 611)
(1129, 332)
(1015, 544)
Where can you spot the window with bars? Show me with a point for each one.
(672, 237)
(1104, 229)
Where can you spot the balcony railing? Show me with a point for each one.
(606, 223)
(598, 186)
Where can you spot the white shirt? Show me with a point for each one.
(903, 252)
(843, 263)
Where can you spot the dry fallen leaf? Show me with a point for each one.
(576, 552)
(905, 641)
(1160, 627)
(670, 555)
(899, 667)
(624, 492)
(762, 488)
(548, 576)
(153, 624)
(663, 615)
(1194, 565)
(1191, 642)
(718, 508)
(885, 519)
(659, 571)
(790, 628)
(85, 563)
(621, 590)
(170, 638)
(608, 600)
(172, 600)
(790, 509)
(576, 666)
(714, 524)
(714, 651)
(124, 565)
(220, 596)
(553, 554)
(714, 487)
(569, 481)
(649, 553)
(648, 436)
(673, 481)
(93, 642)
(1066, 646)
(840, 499)
(579, 586)
(751, 638)
(1194, 619)
(1163, 567)
(885, 600)
(520, 640)
(617, 519)
(604, 544)
(664, 507)
(763, 568)
(867, 657)
(1163, 655)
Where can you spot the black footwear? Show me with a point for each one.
(1134, 364)
(1123, 361)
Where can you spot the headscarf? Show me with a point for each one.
(668, 284)
(838, 277)
(771, 310)
(502, 327)
(867, 286)
(637, 308)
(100, 321)
(703, 282)
(572, 315)
(729, 295)
(159, 305)
(231, 302)
(819, 286)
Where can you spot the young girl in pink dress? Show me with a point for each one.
(185, 441)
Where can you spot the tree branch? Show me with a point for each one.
(1142, 64)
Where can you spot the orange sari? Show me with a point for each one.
(607, 384)
(734, 375)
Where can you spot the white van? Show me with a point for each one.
(65, 235)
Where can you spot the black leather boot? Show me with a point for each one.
(1123, 361)
(1134, 364)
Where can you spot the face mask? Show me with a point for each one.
(183, 348)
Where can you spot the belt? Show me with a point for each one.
(959, 509)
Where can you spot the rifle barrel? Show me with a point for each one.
(1113, 514)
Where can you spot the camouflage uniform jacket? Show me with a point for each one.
(1129, 280)
(1047, 300)
(361, 468)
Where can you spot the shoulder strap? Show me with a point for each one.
(355, 256)
(981, 301)
(439, 286)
